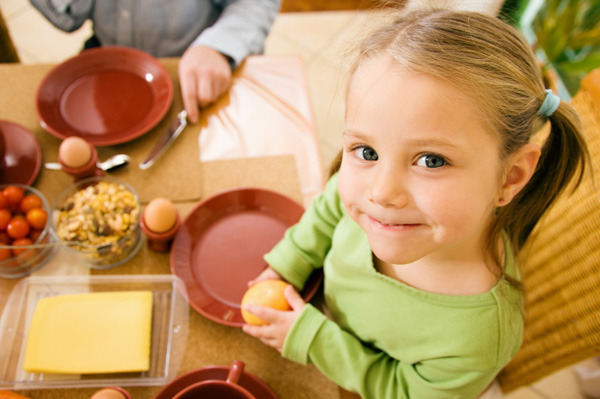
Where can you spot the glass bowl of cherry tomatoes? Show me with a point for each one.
(25, 239)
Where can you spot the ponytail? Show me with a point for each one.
(564, 157)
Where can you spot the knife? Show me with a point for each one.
(166, 139)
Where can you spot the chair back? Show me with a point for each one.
(560, 266)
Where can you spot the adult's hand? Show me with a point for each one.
(204, 75)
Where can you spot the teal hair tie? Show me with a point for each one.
(549, 105)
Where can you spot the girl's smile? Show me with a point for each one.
(392, 226)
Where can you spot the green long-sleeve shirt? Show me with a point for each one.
(387, 339)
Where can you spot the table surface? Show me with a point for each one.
(183, 178)
(180, 176)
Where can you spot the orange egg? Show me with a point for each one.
(108, 393)
(74, 152)
(264, 293)
(160, 215)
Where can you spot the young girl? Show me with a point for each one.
(439, 186)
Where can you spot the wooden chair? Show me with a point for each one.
(560, 269)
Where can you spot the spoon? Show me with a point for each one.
(114, 162)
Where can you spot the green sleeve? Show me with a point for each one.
(352, 364)
(305, 245)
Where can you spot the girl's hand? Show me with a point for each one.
(280, 322)
(268, 274)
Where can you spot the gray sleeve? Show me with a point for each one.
(67, 15)
(241, 29)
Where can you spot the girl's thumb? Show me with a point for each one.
(293, 298)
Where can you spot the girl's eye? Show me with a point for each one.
(431, 161)
(367, 154)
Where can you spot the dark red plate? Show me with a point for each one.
(250, 382)
(22, 154)
(106, 95)
(220, 247)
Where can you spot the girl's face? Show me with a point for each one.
(420, 173)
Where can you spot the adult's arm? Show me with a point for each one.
(66, 15)
(241, 29)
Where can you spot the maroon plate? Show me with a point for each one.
(220, 247)
(106, 95)
(248, 381)
(22, 154)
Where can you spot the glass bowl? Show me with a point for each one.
(98, 220)
(33, 257)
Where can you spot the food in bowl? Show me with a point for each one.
(98, 218)
(23, 230)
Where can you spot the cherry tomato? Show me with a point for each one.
(5, 253)
(35, 235)
(18, 227)
(5, 217)
(29, 202)
(3, 202)
(37, 218)
(19, 242)
(13, 195)
(5, 238)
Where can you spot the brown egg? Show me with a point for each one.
(108, 393)
(160, 215)
(74, 152)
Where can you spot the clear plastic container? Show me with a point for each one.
(168, 335)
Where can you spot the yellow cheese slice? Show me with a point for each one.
(101, 332)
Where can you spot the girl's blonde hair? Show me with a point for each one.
(491, 61)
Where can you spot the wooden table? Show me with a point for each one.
(180, 176)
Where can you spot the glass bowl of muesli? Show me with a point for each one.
(98, 219)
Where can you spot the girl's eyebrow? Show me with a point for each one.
(435, 142)
(353, 134)
(418, 142)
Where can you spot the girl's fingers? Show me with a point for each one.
(262, 332)
(267, 274)
(293, 298)
(267, 334)
(262, 312)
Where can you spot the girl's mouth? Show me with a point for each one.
(392, 226)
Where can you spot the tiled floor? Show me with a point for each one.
(321, 39)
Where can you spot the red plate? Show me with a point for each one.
(220, 247)
(248, 381)
(106, 95)
(22, 154)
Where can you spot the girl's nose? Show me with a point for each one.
(388, 189)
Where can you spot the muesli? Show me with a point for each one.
(99, 216)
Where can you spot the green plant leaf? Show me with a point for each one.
(589, 63)
(568, 33)
(585, 38)
(591, 17)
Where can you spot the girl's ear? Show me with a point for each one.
(520, 168)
